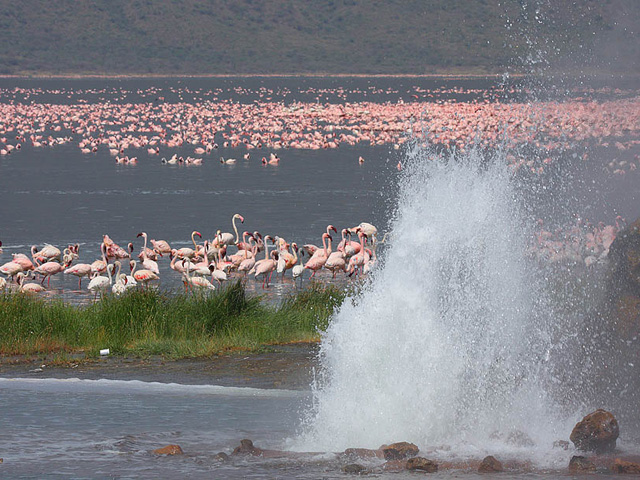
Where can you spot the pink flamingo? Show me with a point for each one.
(80, 270)
(143, 276)
(48, 269)
(317, 261)
(147, 263)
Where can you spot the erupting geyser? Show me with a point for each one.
(449, 343)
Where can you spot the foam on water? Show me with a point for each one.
(448, 343)
(105, 386)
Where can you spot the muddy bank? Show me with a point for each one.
(282, 366)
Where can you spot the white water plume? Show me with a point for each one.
(447, 343)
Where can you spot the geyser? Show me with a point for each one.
(449, 341)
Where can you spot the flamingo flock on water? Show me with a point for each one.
(204, 266)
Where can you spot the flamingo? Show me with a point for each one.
(10, 269)
(118, 287)
(147, 263)
(80, 270)
(99, 266)
(357, 261)
(100, 284)
(199, 282)
(28, 287)
(141, 276)
(227, 238)
(25, 262)
(298, 269)
(48, 253)
(317, 261)
(161, 246)
(187, 252)
(3, 283)
(48, 269)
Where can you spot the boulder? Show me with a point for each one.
(246, 448)
(490, 464)
(622, 466)
(354, 469)
(579, 464)
(399, 451)
(422, 464)
(597, 432)
(169, 450)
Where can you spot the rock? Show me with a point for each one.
(579, 464)
(169, 450)
(597, 432)
(362, 453)
(622, 466)
(354, 469)
(422, 464)
(221, 457)
(246, 448)
(563, 444)
(399, 451)
(490, 464)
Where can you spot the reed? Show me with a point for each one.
(151, 322)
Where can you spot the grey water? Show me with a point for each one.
(75, 429)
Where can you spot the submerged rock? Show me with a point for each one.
(579, 464)
(169, 450)
(597, 432)
(354, 468)
(246, 448)
(422, 464)
(399, 451)
(221, 457)
(490, 464)
(622, 466)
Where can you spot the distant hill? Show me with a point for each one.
(315, 36)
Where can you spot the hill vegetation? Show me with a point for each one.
(319, 36)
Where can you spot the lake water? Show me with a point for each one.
(58, 195)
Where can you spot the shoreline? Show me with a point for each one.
(287, 366)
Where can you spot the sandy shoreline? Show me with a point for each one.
(282, 366)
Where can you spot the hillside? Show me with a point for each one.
(328, 36)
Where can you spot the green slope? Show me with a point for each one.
(327, 36)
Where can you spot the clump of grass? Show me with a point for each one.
(151, 322)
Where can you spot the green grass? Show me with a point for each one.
(160, 323)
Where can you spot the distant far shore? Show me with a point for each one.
(260, 75)
(444, 74)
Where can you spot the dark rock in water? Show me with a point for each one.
(399, 451)
(362, 453)
(519, 439)
(422, 464)
(622, 466)
(490, 464)
(597, 432)
(246, 448)
(221, 457)
(354, 469)
(579, 464)
(169, 450)
(563, 444)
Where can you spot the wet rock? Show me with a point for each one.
(221, 457)
(399, 451)
(563, 444)
(362, 453)
(354, 469)
(597, 432)
(490, 464)
(579, 464)
(421, 464)
(169, 450)
(622, 466)
(246, 448)
(394, 466)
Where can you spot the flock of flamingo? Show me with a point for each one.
(202, 267)
(206, 124)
